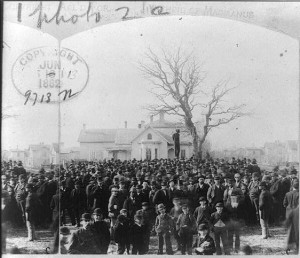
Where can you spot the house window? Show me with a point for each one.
(149, 136)
(148, 154)
(156, 152)
(182, 154)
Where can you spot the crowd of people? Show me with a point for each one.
(203, 205)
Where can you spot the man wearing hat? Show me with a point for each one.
(201, 189)
(83, 240)
(113, 208)
(78, 202)
(43, 194)
(254, 194)
(265, 209)
(275, 190)
(132, 204)
(219, 220)
(186, 225)
(101, 231)
(291, 199)
(32, 209)
(215, 192)
(20, 194)
(203, 212)
(148, 214)
(164, 226)
(161, 196)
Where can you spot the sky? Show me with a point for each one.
(263, 63)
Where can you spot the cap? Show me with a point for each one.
(219, 204)
(86, 216)
(29, 186)
(132, 189)
(202, 198)
(202, 176)
(114, 189)
(97, 211)
(145, 204)
(163, 184)
(64, 231)
(123, 210)
(139, 187)
(203, 227)
(184, 206)
(121, 218)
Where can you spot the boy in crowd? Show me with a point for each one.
(186, 225)
(205, 244)
(163, 227)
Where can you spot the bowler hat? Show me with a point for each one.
(29, 186)
(202, 176)
(163, 184)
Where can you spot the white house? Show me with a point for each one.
(148, 141)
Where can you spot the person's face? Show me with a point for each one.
(163, 187)
(203, 203)
(203, 233)
(98, 217)
(114, 193)
(138, 191)
(217, 181)
(201, 181)
(144, 208)
(22, 180)
(219, 209)
(172, 184)
(237, 178)
(162, 210)
(255, 178)
(152, 187)
(185, 210)
(77, 187)
(230, 183)
(85, 223)
(244, 190)
(124, 213)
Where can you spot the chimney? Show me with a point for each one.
(151, 119)
(139, 126)
(84, 126)
(142, 124)
(125, 124)
(161, 116)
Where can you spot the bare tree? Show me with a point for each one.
(178, 86)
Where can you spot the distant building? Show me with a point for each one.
(64, 154)
(148, 141)
(14, 155)
(292, 151)
(38, 155)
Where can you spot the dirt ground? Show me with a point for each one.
(275, 245)
(17, 237)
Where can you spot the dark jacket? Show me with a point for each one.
(33, 207)
(215, 217)
(292, 223)
(265, 204)
(291, 200)
(208, 245)
(215, 194)
(78, 199)
(161, 197)
(202, 215)
(102, 235)
(83, 241)
(186, 223)
(132, 205)
(164, 224)
(137, 235)
(122, 233)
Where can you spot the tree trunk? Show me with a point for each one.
(200, 150)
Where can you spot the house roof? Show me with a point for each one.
(37, 147)
(125, 136)
(162, 123)
(97, 135)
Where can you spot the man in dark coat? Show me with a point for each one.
(43, 194)
(291, 199)
(132, 204)
(176, 139)
(83, 241)
(32, 209)
(54, 205)
(101, 231)
(200, 190)
(215, 192)
(161, 196)
(78, 202)
(275, 191)
(265, 209)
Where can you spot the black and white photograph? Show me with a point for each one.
(150, 128)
